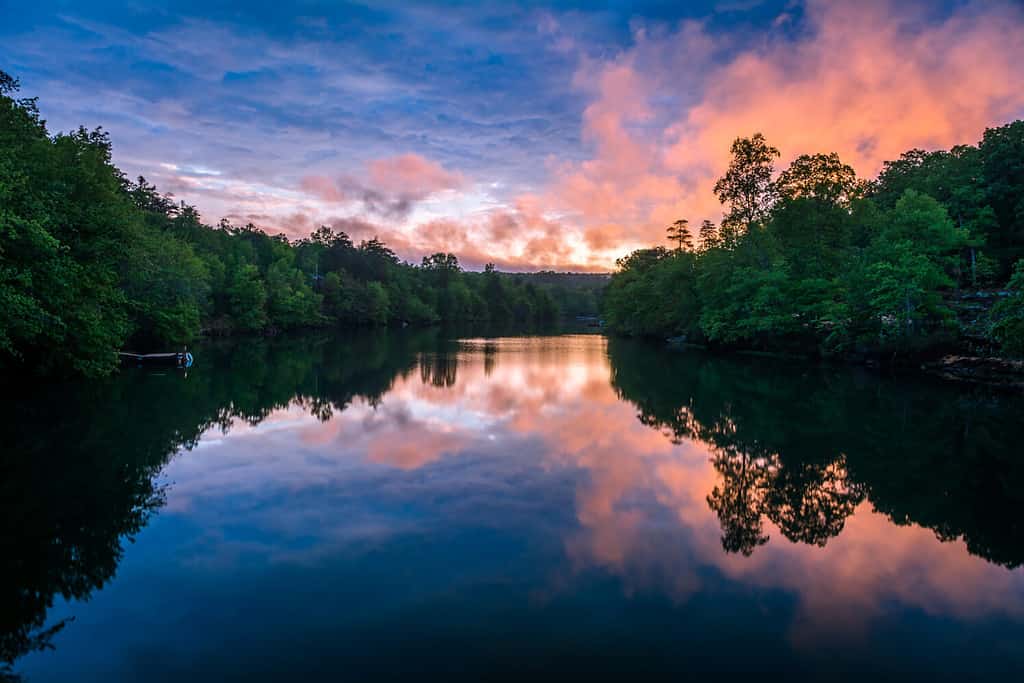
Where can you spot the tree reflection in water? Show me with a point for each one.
(804, 446)
(79, 463)
(800, 447)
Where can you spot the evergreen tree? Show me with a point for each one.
(679, 232)
(708, 236)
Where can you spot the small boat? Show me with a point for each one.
(180, 359)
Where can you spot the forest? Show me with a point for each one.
(92, 261)
(926, 258)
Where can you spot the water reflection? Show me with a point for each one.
(804, 447)
(397, 470)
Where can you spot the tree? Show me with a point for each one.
(290, 300)
(746, 188)
(904, 291)
(337, 299)
(812, 234)
(679, 232)
(8, 83)
(708, 236)
(1008, 315)
(378, 304)
(1001, 155)
(654, 297)
(167, 287)
(822, 177)
(919, 219)
(739, 500)
(443, 267)
(148, 198)
(247, 299)
(641, 259)
(495, 296)
(63, 221)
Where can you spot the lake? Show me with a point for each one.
(445, 506)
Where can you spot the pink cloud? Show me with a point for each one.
(323, 188)
(411, 175)
(869, 81)
(393, 180)
(558, 395)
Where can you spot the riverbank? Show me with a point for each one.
(1003, 373)
(992, 371)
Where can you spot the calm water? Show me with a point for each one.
(338, 509)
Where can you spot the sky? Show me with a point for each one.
(528, 134)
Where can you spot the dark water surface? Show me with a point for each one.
(550, 506)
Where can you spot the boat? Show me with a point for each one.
(179, 359)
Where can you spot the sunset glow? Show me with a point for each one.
(532, 137)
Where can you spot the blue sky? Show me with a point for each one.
(536, 133)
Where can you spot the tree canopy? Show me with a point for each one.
(815, 259)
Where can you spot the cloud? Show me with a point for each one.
(871, 82)
(388, 187)
(613, 124)
(323, 188)
(867, 80)
(411, 175)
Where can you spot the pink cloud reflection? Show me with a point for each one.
(640, 500)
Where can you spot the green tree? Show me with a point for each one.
(378, 305)
(290, 300)
(746, 188)
(904, 291)
(1001, 155)
(443, 268)
(247, 299)
(63, 218)
(822, 177)
(167, 287)
(1008, 315)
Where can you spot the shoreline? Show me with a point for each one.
(991, 371)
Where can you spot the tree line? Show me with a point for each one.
(814, 259)
(92, 261)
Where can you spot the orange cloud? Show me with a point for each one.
(512, 237)
(411, 175)
(869, 81)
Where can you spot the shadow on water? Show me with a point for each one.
(799, 446)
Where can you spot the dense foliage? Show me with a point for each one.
(91, 261)
(815, 259)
